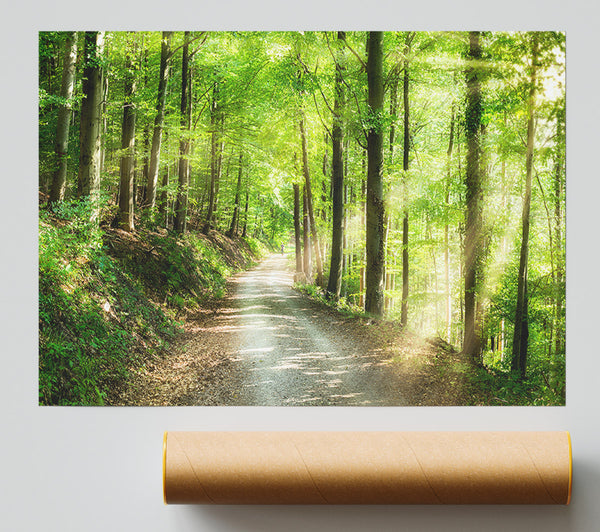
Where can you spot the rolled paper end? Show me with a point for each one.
(570, 467)
(367, 468)
(164, 466)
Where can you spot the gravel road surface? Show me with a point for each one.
(293, 351)
(267, 344)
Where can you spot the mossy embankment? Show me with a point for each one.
(109, 300)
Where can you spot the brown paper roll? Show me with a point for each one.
(367, 467)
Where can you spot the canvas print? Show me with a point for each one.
(353, 218)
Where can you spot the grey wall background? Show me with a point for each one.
(98, 469)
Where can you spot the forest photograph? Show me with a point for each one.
(288, 218)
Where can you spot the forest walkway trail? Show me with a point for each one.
(267, 344)
(292, 351)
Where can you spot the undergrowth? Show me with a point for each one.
(494, 384)
(342, 305)
(108, 300)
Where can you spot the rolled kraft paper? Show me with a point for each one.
(367, 467)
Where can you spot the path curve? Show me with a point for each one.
(292, 351)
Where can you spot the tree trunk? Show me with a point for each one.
(219, 175)
(375, 244)
(306, 232)
(337, 177)
(90, 138)
(405, 162)
(215, 155)
(59, 182)
(309, 204)
(393, 112)
(297, 231)
(363, 223)
(128, 153)
(159, 119)
(521, 330)
(472, 343)
(447, 230)
(163, 206)
(143, 185)
(345, 254)
(245, 230)
(184, 143)
(558, 232)
(236, 203)
(503, 245)
(325, 194)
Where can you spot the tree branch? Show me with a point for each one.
(199, 46)
(203, 33)
(319, 113)
(363, 64)
(318, 84)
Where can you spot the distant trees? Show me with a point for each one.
(298, 233)
(216, 153)
(236, 202)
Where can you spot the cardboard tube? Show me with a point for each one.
(367, 467)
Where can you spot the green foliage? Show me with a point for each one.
(266, 82)
(107, 303)
(256, 247)
(95, 322)
(543, 386)
(318, 294)
(376, 120)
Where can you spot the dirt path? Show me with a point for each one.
(267, 344)
(292, 352)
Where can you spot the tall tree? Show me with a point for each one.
(472, 342)
(90, 131)
(337, 176)
(216, 155)
(559, 175)
(165, 57)
(375, 224)
(405, 162)
(447, 228)
(180, 221)
(128, 147)
(61, 148)
(521, 330)
(309, 206)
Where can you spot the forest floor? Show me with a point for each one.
(265, 343)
